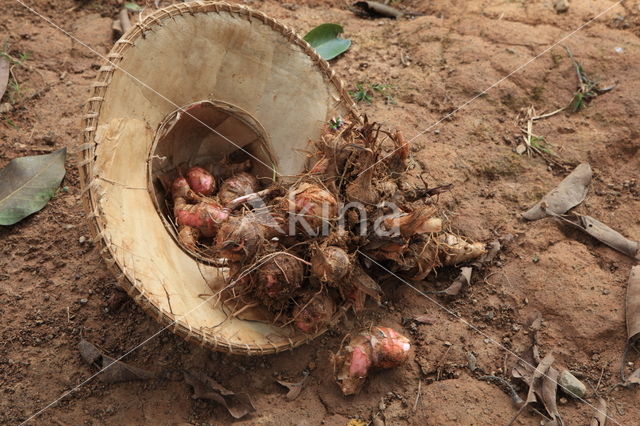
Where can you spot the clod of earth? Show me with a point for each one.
(382, 347)
(568, 194)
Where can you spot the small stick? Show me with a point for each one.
(233, 204)
(415, 404)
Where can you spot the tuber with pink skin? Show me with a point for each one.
(314, 204)
(201, 181)
(204, 217)
(380, 347)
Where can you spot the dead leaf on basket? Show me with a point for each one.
(204, 387)
(568, 194)
(464, 279)
(117, 371)
(294, 388)
(602, 233)
(600, 416)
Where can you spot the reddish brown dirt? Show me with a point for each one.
(55, 288)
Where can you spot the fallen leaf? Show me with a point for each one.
(634, 378)
(456, 286)
(373, 9)
(493, 248)
(132, 6)
(112, 371)
(568, 194)
(603, 233)
(542, 382)
(28, 183)
(364, 283)
(294, 388)
(547, 391)
(600, 416)
(324, 39)
(424, 319)
(633, 305)
(238, 405)
(4, 75)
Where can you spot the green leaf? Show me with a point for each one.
(28, 183)
(324, 38)
(132, 6)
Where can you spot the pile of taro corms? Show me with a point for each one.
(304, 252)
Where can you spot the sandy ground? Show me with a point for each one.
(54, 287)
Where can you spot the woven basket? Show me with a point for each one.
(263, 87)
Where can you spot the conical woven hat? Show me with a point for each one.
(196, 80)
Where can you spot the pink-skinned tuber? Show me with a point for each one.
(380, 347)
(201, 181)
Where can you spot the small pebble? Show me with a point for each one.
(561, 6)
(83, 301)
(447, 344)
(606, 291)
(82, 239)
(571, 385)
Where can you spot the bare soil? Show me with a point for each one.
(54, 287)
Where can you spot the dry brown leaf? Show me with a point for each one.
(113, 371)
(603, 233)
(424, 319)
(493, 248)
(634, 378)
(633, 306)
(294, 388)
(547, 390)
(600, 416)
(364, 283)
(4, 75)
(542, 383)
(464, 279)
(568, 194)
(204, 387)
